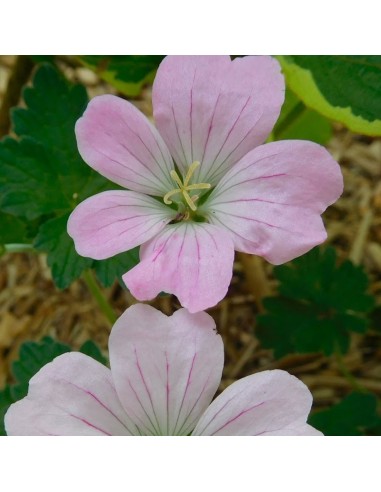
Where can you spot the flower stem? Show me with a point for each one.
(93, 286)
(88, 277)
(16, 248)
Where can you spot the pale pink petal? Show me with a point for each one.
(115, 221)
(272, 199)
(302, 430)
(119, 142)
(166, 369)
(72, 396)
(267, 402)
(214, 110)
(194, 261)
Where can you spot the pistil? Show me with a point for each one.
(185, 187)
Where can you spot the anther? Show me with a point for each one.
(184, 187)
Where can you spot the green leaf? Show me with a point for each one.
(12, 229)
(353, 416)
(64, 261)
(29, 184)
(53, 107)
(67, 265)
(375, 318)
(348, 289)
(43, 177)
(92, 350)
(298, 122)
(113, 268)
(127, 73)
(344, 88)
(5, 401)
(320, 304)
(42, 58)
(315, 277)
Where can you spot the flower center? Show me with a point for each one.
(185, 187)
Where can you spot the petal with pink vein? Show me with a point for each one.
(115, 221)
(166, 369)
(269, 402)
(214, 110)
(194, 261)
(272, 199)
(119, 142)
(72, 396)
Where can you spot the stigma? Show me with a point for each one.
(184, 187)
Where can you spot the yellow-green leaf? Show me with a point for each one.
(343, 88)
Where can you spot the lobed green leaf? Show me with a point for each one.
(43, 177)
(353, 416)
(319, 305)
(65, 263)
(113, 268)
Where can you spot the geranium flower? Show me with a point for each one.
(164, 373)
(201, 185)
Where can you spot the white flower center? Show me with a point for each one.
(184, 187)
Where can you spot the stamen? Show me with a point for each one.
(199, 186)
(170, 193)
(189, 201)
(185, 187)
(190, 172)
(176, 178)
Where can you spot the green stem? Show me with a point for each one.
(88, 277)
(16, 248)
(93, 286)
(347, 374)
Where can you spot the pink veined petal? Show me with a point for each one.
(272, 199)
(214, 110)
(272, 402)
(192, 261)
(119, 142)
(166, 369)
(72, 396)
(115, 221)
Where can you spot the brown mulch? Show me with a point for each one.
(32, 307)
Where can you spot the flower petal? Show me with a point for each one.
(119, 142)
(272, 402)
(192, 261)
(115, 221)
(166, 369)
(72, 396)
(272, 199)
(214, 110)
(302, 430)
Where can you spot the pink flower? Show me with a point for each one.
(202, 184)
(164, 373)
